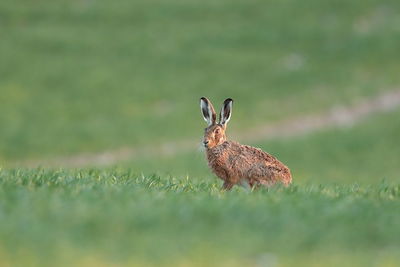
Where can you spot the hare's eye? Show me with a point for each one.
(217, 131)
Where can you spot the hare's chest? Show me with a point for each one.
(218, 165)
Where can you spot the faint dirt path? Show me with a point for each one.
(338, 116)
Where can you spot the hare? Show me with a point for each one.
(235, 163)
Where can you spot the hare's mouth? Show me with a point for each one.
(205, 144)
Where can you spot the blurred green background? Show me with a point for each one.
(93, 76)
(115, 85)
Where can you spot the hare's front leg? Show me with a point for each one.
(227, 186)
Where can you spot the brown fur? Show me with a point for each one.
(238, 164)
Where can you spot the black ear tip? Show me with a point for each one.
(228, 100)
(203, 98)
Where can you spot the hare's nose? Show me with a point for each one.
(205, 143)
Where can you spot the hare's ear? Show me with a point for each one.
(226, 112)
(208, 111)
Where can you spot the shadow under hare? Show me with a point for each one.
(235, 163)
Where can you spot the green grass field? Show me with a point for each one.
(115, 217)
(82, 77)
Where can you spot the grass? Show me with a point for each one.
(92, 217)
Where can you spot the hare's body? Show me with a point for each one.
(235, 163)
(240, 164)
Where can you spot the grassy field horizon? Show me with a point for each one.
(90, 76)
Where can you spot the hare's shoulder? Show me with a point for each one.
(232, 146)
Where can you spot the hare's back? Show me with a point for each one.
(265, 166)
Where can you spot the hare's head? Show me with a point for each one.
(214, 134)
